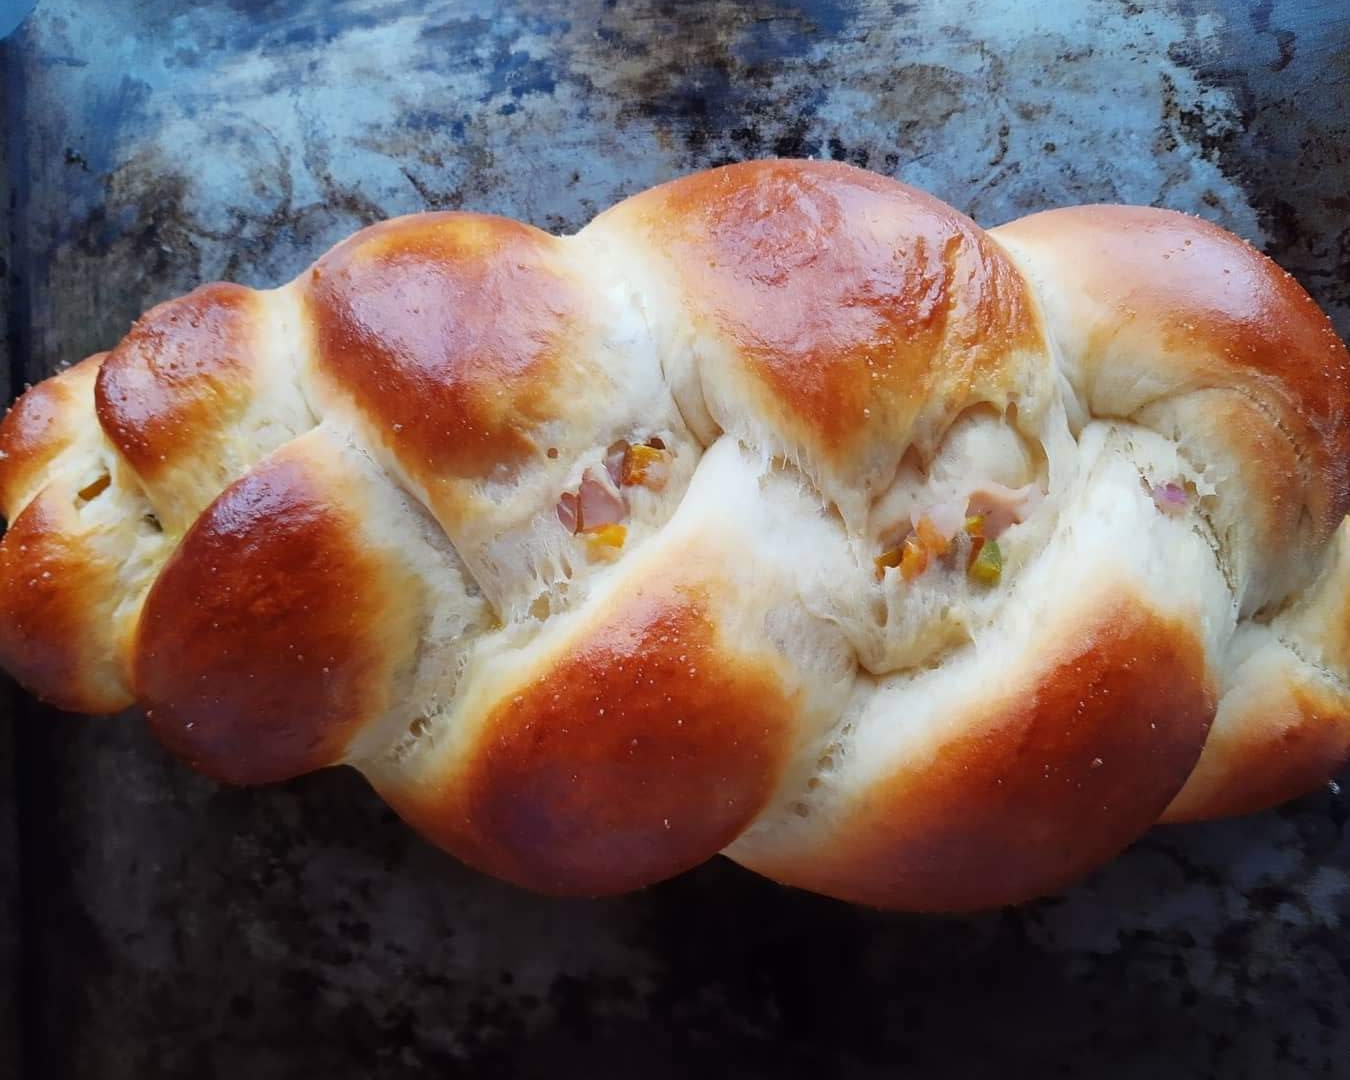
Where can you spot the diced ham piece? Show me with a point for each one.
(567, 511)
(614, 461)
(598, 504)
(1002, 507)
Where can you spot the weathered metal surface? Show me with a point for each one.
(10, 918)
(176, 928)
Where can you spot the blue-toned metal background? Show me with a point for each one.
(152, 924)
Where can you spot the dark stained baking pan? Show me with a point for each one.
(153, 924)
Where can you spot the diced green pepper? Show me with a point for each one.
(987, 566)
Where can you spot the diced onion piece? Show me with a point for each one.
(913, 558)
(567, 511)
(989, 510)
(987, 566)
(646, 465)
(598, 504)
(1171, 498)
(614, 458)
(945, 518)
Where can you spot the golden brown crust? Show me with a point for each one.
(1284, 734)
(853, 300)
(636, 753)
(180, 376)
(446, 330)
(1223, 316)
(271, 634)
(43, 422)
(1283, 722)
(1053, 780)
(59, 634)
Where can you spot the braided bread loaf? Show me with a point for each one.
(780, 512)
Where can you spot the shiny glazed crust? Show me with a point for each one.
(337, 522)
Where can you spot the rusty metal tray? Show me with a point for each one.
(152, 924)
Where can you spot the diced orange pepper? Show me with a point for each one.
(913, 558)
(604, 541)
(887, 559)
(932, 540)
(637, 466)
(975, 525)
(607, 535)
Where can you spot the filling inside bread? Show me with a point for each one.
(598, 509)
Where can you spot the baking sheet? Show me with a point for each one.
(170, 927)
